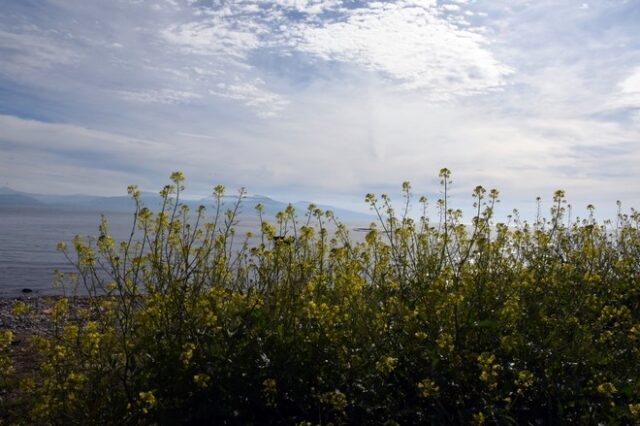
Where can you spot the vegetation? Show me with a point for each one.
(442, 323)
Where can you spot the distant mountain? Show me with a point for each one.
(18, 200)
(270, 207)
(12, 198)
(248, 205)
(7, 191)
(343, 214)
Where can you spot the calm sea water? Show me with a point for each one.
(28, 239)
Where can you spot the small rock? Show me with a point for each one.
(27, 290)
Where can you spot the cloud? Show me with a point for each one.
(215, 36)
(629, 90)
(31, 52)
(315, 99)
(412, 43)
(163, 96)
(66, 138)
(451, 7)
(60, 158)
(265, 102)
(312, 7)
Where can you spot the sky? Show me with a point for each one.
(324, 100)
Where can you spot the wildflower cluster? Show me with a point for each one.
(419, 323)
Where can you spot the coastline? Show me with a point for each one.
(36, 322)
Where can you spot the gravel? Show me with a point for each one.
(36, 322)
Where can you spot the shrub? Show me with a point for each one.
(422, 322)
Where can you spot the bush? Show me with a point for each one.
(527, 323)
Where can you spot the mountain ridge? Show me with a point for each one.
(15, 199)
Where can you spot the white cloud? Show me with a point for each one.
(28, 52)
(264, 102)
(215, 36)
(451, 7)
(630, 89)
(162, 96)
(409, 43)
(312, 7)
(34, 134)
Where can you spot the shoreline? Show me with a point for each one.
(38, 316)
(36, 322)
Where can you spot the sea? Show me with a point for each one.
(29, 236)
(28, 240)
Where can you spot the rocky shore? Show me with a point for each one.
(37, 321)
